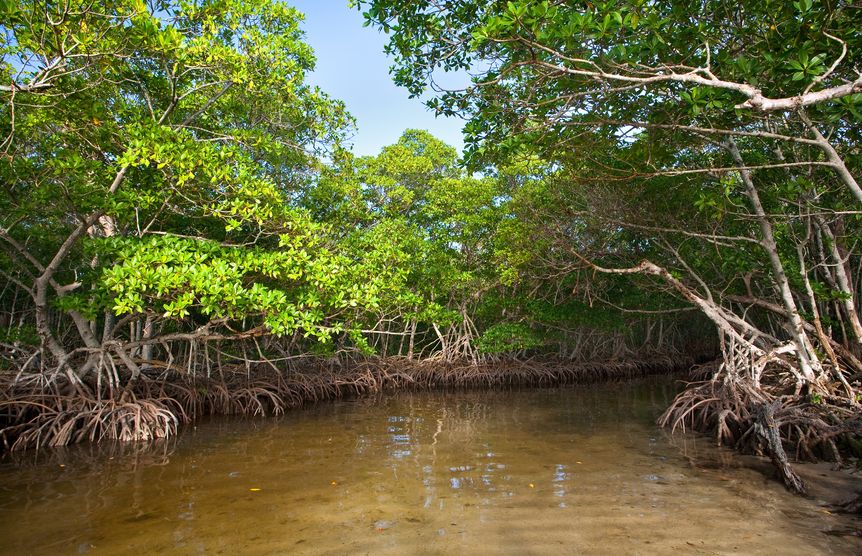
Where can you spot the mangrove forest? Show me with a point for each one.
(653, 229)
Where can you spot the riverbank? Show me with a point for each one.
(39, 412)
(581, 469)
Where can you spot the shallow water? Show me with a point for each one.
(578, 469)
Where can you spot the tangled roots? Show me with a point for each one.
(57, 420)
(36, 413)
(771, 420)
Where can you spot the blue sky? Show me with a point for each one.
(351, 66)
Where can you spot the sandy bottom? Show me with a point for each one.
(579, 470)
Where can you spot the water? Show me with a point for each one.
(567, 470)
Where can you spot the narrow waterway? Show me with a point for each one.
(578, 470)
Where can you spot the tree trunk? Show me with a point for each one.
(842, 279)
(808, 363)
(833, 157)
(767, 428)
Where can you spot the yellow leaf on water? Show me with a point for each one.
(532, 485)
(254, 489)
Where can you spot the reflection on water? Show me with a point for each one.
(574, 470)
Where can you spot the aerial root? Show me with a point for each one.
(57, 420)
(34, 413)
(768, 419)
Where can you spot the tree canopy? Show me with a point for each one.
(638, 175)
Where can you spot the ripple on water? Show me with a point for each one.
(579, 469)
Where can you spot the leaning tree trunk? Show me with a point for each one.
(767, 429)
(842, 278)
(808, 362)
(832, 157)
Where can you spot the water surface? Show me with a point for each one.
(576, 470)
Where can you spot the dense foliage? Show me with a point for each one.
(156, 156)
(715, 142)
(711, 148)
(637, 176)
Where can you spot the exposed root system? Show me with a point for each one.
(34, 413)
(774, 420)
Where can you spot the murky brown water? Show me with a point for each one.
(570, 470)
